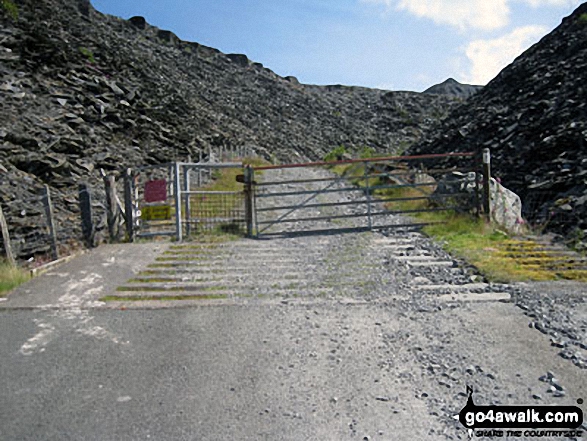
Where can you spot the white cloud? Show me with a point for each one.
(463, 14)
(485, 15)
(489, 57)
(537, 3)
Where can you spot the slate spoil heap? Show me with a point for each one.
(533, 117)
(82, 91)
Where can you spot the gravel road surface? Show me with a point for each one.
(369, 336)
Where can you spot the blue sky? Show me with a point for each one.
(388, 44)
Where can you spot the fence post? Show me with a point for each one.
(487, 183)
(50, 221)
(128, 205)
(85, 205)
(186, 180)
(6, 239)
(370, 220)
(249, 178)
(177, 193)
(112, 212)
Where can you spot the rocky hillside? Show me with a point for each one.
(82, 91)
(533, 116)
(453, 88)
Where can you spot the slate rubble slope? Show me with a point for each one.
(83, 91)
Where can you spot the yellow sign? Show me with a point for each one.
(156, 212)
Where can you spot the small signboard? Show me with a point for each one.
(156, 191)
(156, 212)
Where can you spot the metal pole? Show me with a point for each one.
(200, 170)
(186, 178)
(128, 205)
(50, 223)
(370, 220)
(177, 193)
(487, 183)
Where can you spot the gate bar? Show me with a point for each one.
(339, 190)
(364, 201)
(346, 216)
(356, 161)
(378, 175)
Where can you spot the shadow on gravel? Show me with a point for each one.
(335, 231)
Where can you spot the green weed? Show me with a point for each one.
(11, 277)
(9, 8)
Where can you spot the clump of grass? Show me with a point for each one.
(336, 154)
(583, 19)
(88, 54)
(9, 8)
(474, 240)
(11, 277)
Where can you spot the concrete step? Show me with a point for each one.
(475, 297)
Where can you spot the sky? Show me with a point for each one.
(385, 44)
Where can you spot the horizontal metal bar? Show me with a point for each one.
(407, 173)
(325, 204)
(421, 210)
(363, 201)
(298, 181)
(348, 216)
(213, 192)
(299, 193)
(385, 187)
(163, 233)
(211, 164)
(308, 219)
(358, 161)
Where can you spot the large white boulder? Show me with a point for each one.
(506, 208)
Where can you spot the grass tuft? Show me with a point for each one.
(11, 277)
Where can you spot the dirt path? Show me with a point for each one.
(355, 336)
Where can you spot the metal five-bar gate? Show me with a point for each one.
(362, 195)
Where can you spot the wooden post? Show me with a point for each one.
(177, 194)
(368, 189)
(112, 212)
(6, 239)
(487, 183)
(85, 205)
(50, 221)
(128, 205)
(249, 178)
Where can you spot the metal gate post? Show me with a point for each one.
(487, 183)
(177, 192)
(249, 178)
(186, 179)
(128, 205)
(370, 220)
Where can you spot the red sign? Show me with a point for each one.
(156, 191)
